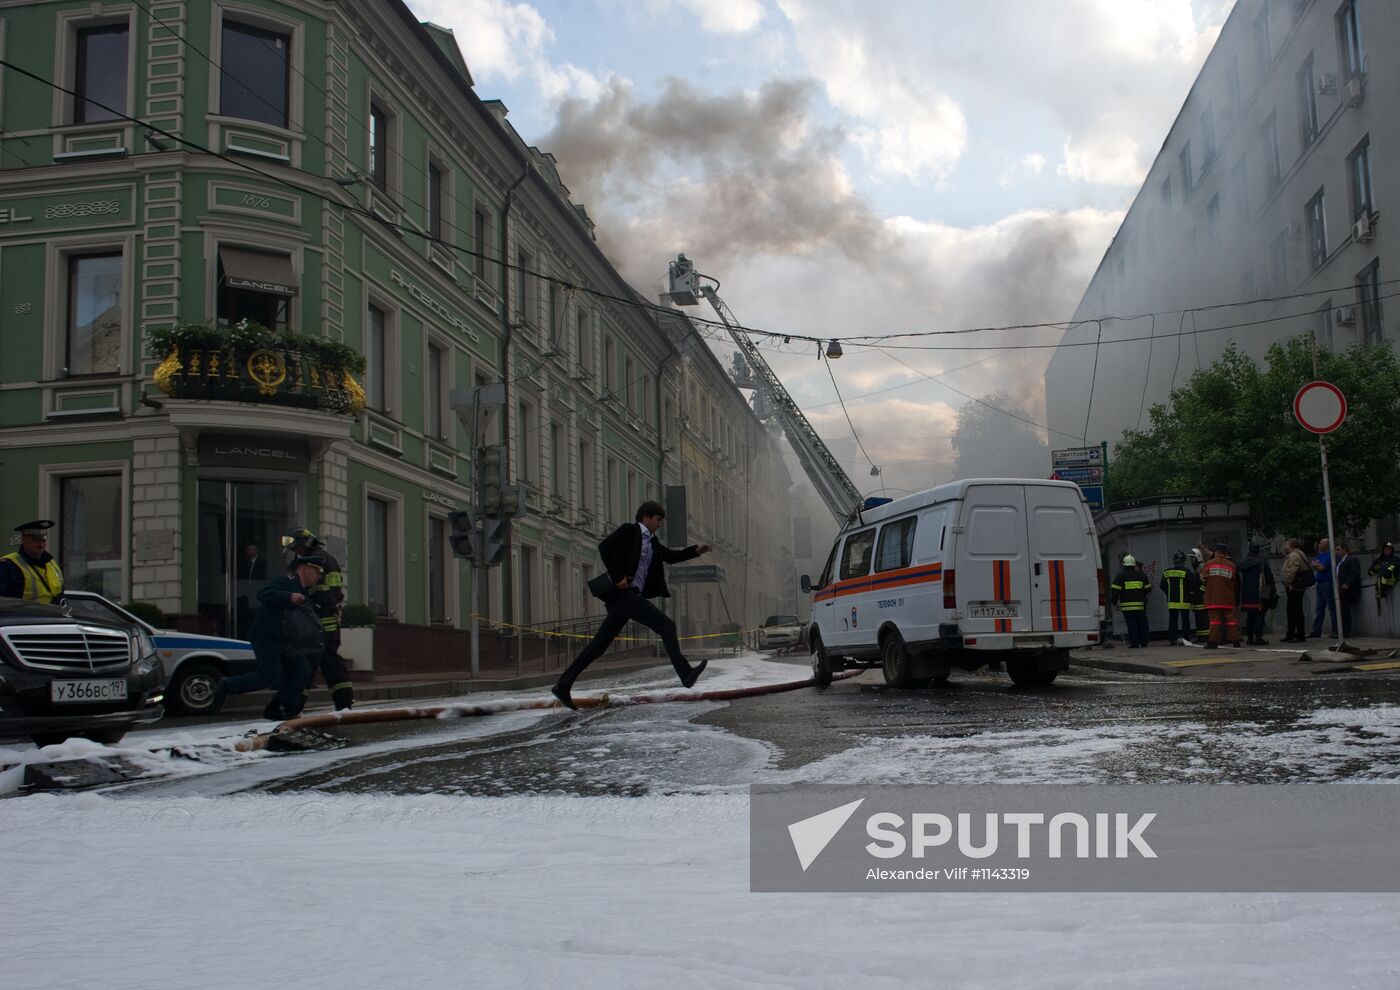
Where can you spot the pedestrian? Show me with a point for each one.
(635, 561)
(1222, 594)
(1182, 587)
(1130, 589)
(31, 572)
(281, 642)
(1195, 561)
(1348, 583)
(326, 597)
(1326, 601)
(1297, 579)
(1257, 591)
(1386, 570)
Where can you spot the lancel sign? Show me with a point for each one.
(253, 452)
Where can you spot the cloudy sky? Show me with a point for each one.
(848, 167)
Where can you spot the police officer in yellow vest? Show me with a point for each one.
(1130, 589)
(31, 572)
(1182, 588)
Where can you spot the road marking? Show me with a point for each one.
(1387, 665)
(1211, 661)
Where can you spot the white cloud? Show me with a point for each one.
(1027, 165)
(1103, 158)
(726, 16)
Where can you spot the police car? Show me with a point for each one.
(194, 664)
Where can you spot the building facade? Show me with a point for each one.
(327, 171)
(1267, 196)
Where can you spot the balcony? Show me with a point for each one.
(249, 363)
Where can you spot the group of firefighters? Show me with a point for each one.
(1205, 589)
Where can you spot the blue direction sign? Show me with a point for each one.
(1093, 494)
(1081, 475)
(1072, 457)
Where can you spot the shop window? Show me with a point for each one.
(101, 71)
(94, 314)
(255, 67)
(90, 534)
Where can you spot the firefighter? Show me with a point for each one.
(1182, 588)
(1130, 590)
(327, 597)
(1386, 570)
(1258, 594)
(1195, 563)
(1222, 593)
(31, 572)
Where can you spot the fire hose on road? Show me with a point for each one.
(606, 699)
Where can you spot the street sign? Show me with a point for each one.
(696, 574)
(1093, 494)
(1320, 407)
(1071, 457)
(1081, 475)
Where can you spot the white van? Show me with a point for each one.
(961, 575)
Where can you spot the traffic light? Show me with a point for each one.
(493, 471)
(495, 541)
(462, 535)
(512, 501)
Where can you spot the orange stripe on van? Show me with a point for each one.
(903, 577)
(1001, 587)
(1058, 618)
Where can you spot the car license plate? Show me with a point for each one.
(994, 610)
(87, 691)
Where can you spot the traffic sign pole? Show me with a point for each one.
(1320, 407)
(1332, 544)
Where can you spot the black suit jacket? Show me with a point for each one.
(622, 553)
(1349, 578)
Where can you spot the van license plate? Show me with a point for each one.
(87, 691)
(997, 610)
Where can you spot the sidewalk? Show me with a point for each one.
(1377, 657)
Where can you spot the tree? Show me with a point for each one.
(1229, 430)
(990, 442)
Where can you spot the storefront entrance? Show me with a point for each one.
(240, 529)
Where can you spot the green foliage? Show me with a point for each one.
(357, 617)
(246, 336)
(1230, 430)
(148, 613)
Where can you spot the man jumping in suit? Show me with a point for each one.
(635, 560)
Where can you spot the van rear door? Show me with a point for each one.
(993, 573)
(1064, 564)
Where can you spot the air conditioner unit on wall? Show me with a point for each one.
(1364, 229)
(1352, 95)
(1345, 315)
(1326, 84)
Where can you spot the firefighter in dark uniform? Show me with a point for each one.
(1130, 590)
(1195, 562)
(327, 597)
(1182, 588)
(31, 572)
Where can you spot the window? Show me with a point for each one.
(379, 147)
(1368, 290)
(1359, 179)
(825, 578)
(610, 479)
(101, 74)
(90, 534)
(1353, 56)
(1263, 44)
(438, 553)
(436, 226)
(255, 286)
(255, 70)
(855, 561)
(1208, 148)
(629, 384)
(527, 442)
(524, 287)
(377, 360)
(1213, 217)
(1278, 264)
(1316, 214)
(527, 585)
(585, 476)
(1306, 86)
(1167, 193)
(556, 314)
(668, 420)
(434, 391)
(558, 464)
(1323, 322)
(1299, 8)
(583, 342)
(896, 545)
(1268, 137)
(481, 226)
(1232, 85)
(94, 314)
(1239, 183)
(377, 514)
(609, 360)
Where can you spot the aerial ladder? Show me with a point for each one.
(687, 288)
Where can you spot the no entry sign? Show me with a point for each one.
(1320, 407)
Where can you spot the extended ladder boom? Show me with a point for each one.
(827, 476)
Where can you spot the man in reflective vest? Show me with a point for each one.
(326, 596)
(1182, 587)
(1386, 570)
(1222, 586)
(31, 572)
(1130, 590)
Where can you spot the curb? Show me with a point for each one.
(1124, 666)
